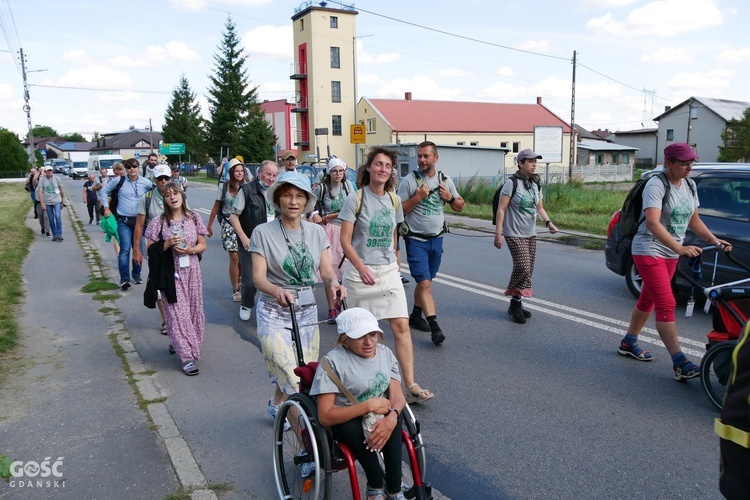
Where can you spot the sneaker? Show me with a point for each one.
(332, 313)
(245, 313)
(54, 238)
(272, 410)
(516, 311)
(306, 469)
(397, 496)
(687, 371)
(437, 335)
(635, 351)
(418, 322)
(171, 349)
(125, 285)
(137, 281)
(91, 221)
(59, 238)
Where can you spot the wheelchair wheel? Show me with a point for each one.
(716, 368)
(301, 455)
(411, 433)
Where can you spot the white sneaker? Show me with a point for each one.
(271, 411)
(245, 313)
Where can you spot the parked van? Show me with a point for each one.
(96, 162)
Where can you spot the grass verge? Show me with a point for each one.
(15, 240)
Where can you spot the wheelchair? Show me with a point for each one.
(306, 456)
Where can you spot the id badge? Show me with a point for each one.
(305, 296)
(689, 308)
(707, 307)
(184, 261)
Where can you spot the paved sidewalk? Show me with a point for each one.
(65, 394)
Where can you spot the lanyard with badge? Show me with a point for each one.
(305, 295)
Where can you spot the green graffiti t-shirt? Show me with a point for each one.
(372, 237)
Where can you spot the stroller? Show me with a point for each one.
(731, 311)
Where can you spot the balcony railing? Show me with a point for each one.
(300, 103)
(298, 71)
(302, 138)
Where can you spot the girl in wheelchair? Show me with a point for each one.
(369, 372)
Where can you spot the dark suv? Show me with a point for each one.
(724, 195)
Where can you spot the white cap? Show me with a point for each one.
(356, 323)
(161, 171)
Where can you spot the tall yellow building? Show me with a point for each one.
(324, 72)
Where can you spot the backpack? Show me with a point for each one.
(630, 213)
(321, 206)
(394, 199)
(113, 196)
(733, 427)
(403, 228)
(496, 198)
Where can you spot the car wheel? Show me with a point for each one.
(633, 278)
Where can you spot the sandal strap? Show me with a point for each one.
(375, 491)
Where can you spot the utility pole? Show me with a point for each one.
(151, 135)
(690, 111)
(27, 110)
(572, 122)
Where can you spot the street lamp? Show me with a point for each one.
(356, 120)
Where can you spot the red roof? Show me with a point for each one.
(459, 116)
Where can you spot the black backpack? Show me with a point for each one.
(496, 198)
(630, 213)
(734, 425)
(113, 196)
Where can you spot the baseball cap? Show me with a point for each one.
(288, 154)
(527, 154)
(47, 168)
(356, 322)
(679, 151)
(162, 171)
(298, 180)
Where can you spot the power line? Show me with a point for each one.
(160, 92)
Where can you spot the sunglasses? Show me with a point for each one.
(131, 166)
(163, 178)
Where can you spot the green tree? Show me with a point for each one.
(74, 137)
(42, 131)
(13, 157)
(737, 139)
(236, 117)
(183, 123)
(96, 136)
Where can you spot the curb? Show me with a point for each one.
(145, 385)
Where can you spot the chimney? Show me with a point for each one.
(667, 108)
(539, 101)
(407, 96)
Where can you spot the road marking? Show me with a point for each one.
(202, 210)
(648, 335)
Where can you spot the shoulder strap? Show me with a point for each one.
(394, 199)
(514, 180)
(149, 195)
(418, 178)
(336, 380)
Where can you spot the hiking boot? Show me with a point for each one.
(516, 311)
(437, 335)
(418, 322)
(527, 314)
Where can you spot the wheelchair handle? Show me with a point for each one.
(295, 337)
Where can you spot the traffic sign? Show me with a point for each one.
(357, 133)
(172, 148)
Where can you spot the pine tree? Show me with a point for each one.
(737, 139)
(183, 123)
(236, 117)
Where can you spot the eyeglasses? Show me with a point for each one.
(131, 166)
(163, 178)
(685, 163)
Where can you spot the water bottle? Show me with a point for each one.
(177, 230)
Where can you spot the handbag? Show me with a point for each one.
(369, 418)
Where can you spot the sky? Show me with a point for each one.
(103, 66)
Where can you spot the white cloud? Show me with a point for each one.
(505, 71)
(198, 5)
(9, 99)
(274, 90)
(660, 18)
(735, 55)
(604, 4)
(121, 97)
(664, 55)
(364, 57)
(456, 73)
(368, 79)
(712, 81)
(270, 42)
(95, 77)
(422, 87)
(155, 55)
(534, 46)
(77, 56)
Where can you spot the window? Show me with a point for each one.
(336, 125)
(474, 143)
(335, 91)
(599, 159)
(302, 25)
(334, 22)
(371, 128)
(335, 57)
(516, 147)
(625, 158)
(460, 143)
(504, 144)
(614, 158)
(670, 134)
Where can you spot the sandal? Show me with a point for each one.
(189, 368)
(415, 394)
(687, 371)
(164, 329)
(375, 493)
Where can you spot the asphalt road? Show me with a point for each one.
(522, 411)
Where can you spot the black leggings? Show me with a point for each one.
(352, 435)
